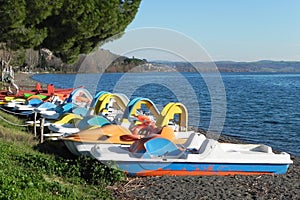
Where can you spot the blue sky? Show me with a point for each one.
(237, 30)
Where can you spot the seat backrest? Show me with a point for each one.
(98, 120)
(162, 147)
(206, 146)
(194, 141)
(35, 102)
(168, 133)
(80, 111)
(47, 105)
(64, 108)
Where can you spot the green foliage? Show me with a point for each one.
(83, 170)
(124, 64)
(17, 31)
(97, 173)
(29, 174)
(67, 27)
(24, 178)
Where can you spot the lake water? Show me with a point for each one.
(257, 107)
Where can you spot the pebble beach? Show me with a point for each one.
(24, 81)
(202, 187)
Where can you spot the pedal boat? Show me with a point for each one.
(160, 156)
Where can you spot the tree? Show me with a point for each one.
(66, 27)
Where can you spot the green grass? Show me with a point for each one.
(28, 173)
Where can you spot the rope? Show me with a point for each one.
(14, 113)
(12, 122)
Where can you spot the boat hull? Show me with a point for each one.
(198, 169)
(78, 148)
(62, 92)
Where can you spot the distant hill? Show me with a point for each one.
(260, 66)
(109, 62)
(230, 66)
(104, 61)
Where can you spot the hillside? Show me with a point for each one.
(230, 66)
(98, 62)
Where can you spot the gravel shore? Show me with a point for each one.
(24, 81)
(202, 187)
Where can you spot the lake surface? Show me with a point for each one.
(255, 107)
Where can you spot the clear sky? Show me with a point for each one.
(237, 30)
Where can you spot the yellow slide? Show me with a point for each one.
(168, 113)
(103, 102)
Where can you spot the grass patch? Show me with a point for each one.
(10, 121)
(10, 131)
(28, 173)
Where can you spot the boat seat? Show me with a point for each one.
(98, 120)
(162, 147)
(262, 148)
(194, 142)
(207, 145)
(168, 133)
(138, 147)
(30, 106)
(45, 106)
(80, 111)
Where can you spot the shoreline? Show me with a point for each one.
(24, 81)
(285, 186)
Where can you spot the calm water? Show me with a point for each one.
(260, 108)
